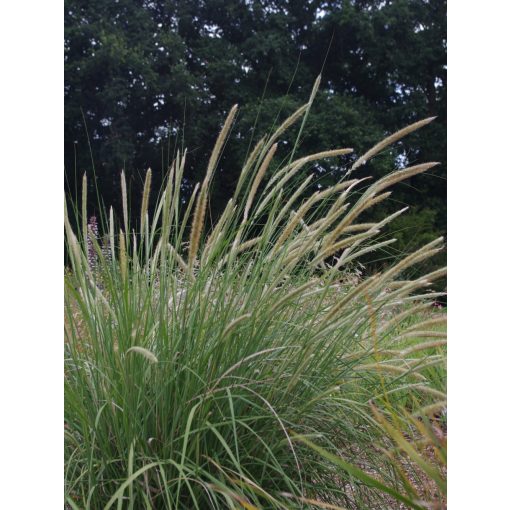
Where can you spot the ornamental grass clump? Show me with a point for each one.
(195, 355)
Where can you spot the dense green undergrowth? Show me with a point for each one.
(242, 366)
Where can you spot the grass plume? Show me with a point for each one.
(229, 368)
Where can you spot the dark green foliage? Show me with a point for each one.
(148, 77)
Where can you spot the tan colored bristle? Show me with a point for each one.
(436, 321)
(397, 319)
(423, 253)
(248, 244)
(293, 294)
(247, 166)
(363, 204)
(377, 200)
(145, 199)
(400, 175)
(430, 391)
(338, 207)
(124, 199)
(180, 261)
(292, 224)
(144, 352)
(388, 141)
(258, 179)
(220, 224)
(405, 290)
(112, 234)
(304, 247)
(331, 249)
(75, 249)
(279, 186)
(289, 121)
(197, 227)
(359, 227)
(435, 275)
(391, 217)
(423, 347)
(200, 209)
(155, 259)
(288, 203)
(67, 224)
(218, 146)
(421, 334)
(335, 212)
(307, 159)
(339, 187)
(166, 219)
(179, 172)
(315, 88)
(386, 367)
(122, 256)
(235, 323)
(350, 297)
(350, 257)
(431, 409)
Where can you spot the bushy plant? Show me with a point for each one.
(195, 354)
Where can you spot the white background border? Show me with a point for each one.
(31, 255)
(478, 255)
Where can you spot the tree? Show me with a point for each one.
(146, 78)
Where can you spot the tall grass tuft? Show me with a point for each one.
(195, 357)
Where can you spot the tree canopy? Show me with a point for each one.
(143, 78)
